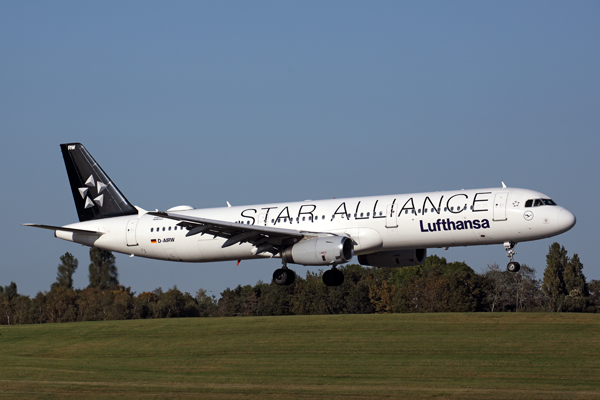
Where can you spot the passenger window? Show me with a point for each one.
(163, 228)
(151, 229)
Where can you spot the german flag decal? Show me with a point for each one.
(152, 240)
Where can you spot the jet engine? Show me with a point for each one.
(394, 259)
(320, 251)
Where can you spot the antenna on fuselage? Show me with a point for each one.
(503, 185)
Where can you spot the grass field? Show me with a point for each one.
(455, 356)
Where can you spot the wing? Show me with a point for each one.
(264, 239)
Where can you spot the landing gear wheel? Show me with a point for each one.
(513, 266)
(333, 277)
(284, 276)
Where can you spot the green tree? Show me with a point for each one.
(67, 267)
(175, 304)
(357, 290)
(61, 305)
(103, 270)
(497, 288)
(554, 285)
(233, 302)
(271, 299)
(438, 286)
(525, 290)
(207, 305)
(576, 288)
(594, 299)
(7, 296)
(310, 295)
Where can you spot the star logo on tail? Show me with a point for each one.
(84, 191)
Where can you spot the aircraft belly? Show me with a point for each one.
(210, 249)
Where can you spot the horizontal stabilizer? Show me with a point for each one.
(62, 228)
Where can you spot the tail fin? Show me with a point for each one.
(94, 193)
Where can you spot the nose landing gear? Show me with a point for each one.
(512, 266)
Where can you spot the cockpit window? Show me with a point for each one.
(539, 202)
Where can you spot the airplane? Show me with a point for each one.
(390, 231)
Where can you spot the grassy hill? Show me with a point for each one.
(457, 356)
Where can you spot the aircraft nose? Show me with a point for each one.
(566, 220)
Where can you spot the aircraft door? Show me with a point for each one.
(500, 206)
(391, 219)
(131, 227)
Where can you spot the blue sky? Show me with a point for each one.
(201, 103)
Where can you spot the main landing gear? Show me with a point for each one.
(333, 277)
(284, 276)
(512, 266)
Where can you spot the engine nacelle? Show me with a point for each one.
(320, 251)
(394, 259)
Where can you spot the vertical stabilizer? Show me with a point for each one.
(95, 195)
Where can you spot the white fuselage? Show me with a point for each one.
(376, 223)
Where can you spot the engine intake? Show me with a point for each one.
(320, 251)
(394, 259)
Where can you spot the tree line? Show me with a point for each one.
(434, 286)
